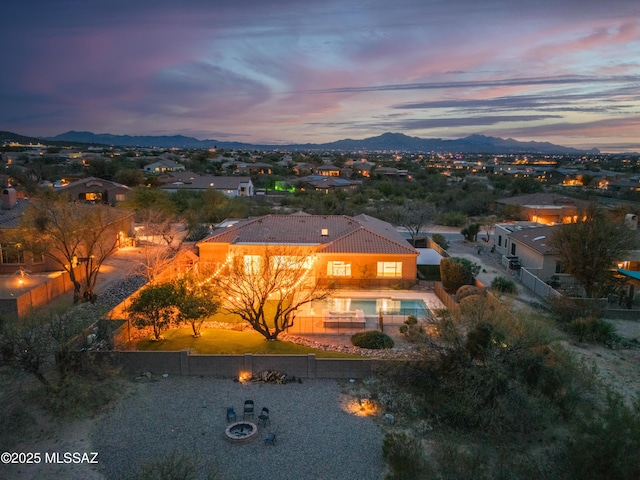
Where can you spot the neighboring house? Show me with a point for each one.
(326, 183)
(258, 168)
(353, 251)
(529, 247)
(95, 190)
(163, 165)
(13, 258)
(328, 171)
(229, 186)
(391, 172)
(547, 208)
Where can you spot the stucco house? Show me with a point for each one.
(527, 245)
(359, 251)
(163, 165)
(234, 186)
(95, 190)
(547, 208)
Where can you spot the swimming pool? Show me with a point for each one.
(373, 306)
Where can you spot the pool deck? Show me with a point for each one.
(430, 299)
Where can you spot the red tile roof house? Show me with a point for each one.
(356, 252)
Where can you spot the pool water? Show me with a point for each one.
(373, 306)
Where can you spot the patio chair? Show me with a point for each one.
(231, 414)
(270, 438)
(264, 416)
(248, 409)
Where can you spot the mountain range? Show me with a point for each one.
(384, 142)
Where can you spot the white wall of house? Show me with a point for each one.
(544, 266)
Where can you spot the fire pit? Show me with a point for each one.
(241, 432)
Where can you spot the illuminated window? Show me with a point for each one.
(338, 269)
(251, 264)
(12, 253)
(91, 196)
(291, 262)
(389, 269)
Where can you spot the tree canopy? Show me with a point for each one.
(589, 248)
(74, 235)
(267, 289)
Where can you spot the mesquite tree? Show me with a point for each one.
(267, 289)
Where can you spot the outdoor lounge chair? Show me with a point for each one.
(248, 409)
(231, 414)
(264, 416)
(270, 438)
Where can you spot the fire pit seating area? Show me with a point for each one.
(244, 431)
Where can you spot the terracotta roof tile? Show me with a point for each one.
(338, 233)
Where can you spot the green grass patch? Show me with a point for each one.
(220, 341)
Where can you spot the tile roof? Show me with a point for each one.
(343, 234)
(10, 218)
(189, 180)
(538, 199)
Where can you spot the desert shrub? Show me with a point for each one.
(405, 457)
(440, 240)
(372, 339)
(466, 291)
(80, 396)
(197, 232)
(460, 463)
(412, 330)
(608, 445)
(172, 467)
(567, 309)
(455, 272)
(494, 372)
(594, 330)
(470, 232)
(504, 285)
(453, 219)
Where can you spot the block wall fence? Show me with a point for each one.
(231, 366)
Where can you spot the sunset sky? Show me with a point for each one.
(291, 71)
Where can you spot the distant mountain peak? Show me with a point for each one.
(389, 141)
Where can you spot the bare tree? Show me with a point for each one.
(74, 235)
(267, 289)
(413, 215)
(160, 240)
(37, 341)
(589, 248)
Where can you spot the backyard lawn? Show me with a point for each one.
(221, 341)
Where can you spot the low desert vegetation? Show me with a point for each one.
(372, 340)
(495, 395)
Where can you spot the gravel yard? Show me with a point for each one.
(316, 438)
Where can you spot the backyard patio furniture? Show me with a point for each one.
(264, 416)
(231, 414)
(270, 438)
(248, 409)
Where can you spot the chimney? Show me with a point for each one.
(631, 220)
(9, 198)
